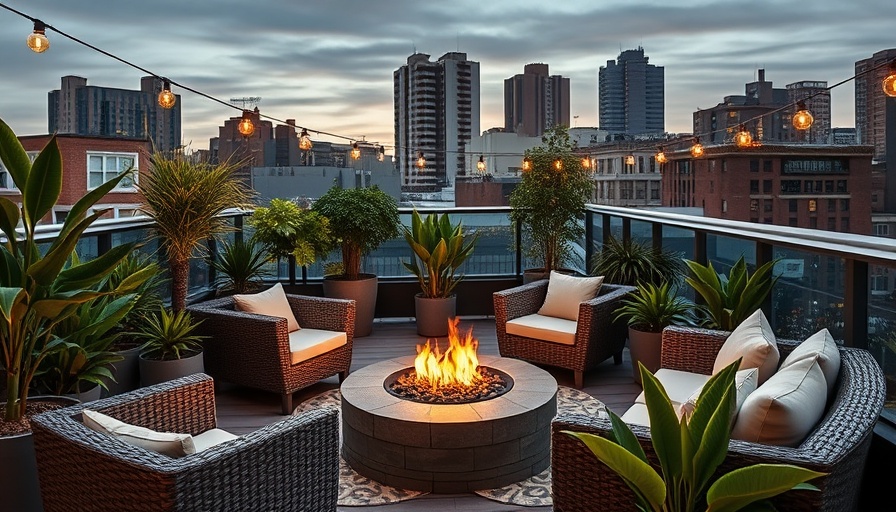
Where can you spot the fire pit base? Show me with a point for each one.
(450, 448)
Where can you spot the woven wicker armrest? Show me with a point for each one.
(236, 333)
(520, 301)
(691, 349)
(324, 313)
(601, 309)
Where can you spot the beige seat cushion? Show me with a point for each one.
(784, 409)
(745, 382)
(820, 345)
(546, 328)
(166, 443)
(679, 385)
(271, 302)
(565, 293)
(307, 343)
(754, 341)
(212, 437)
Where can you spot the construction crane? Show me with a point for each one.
(246, 102)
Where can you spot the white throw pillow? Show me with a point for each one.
(271, 302)
(820, 345)
(754, 342)
(745, 382)
(784, 409)
(166, 443)
(565, 293)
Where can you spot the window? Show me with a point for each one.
(829, 186)
(754, 186)
(844, 224)
(832, 224)
(767, 186)
(767, 165)
(102, 167)
(832, 205)
(807, 186)
(6, 181)
(792, 222)
(880, 281)
(754, 165)
(841, 186)
(767, 206)
(813, 205)
(882, 229)
(844, 205)
(792, 205)
(813, 222)
(754, 205)
(787, 186)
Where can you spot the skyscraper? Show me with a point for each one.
(817, 98)
(871, 111)
(436, 114)
(106, 111)
(631, 95)
(535, 101)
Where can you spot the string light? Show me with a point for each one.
(743, 139)
(802, 120)
(527, 164)
(697, 149)
(167, 99)
(660, 156)
(381, 153)
(246, 126)
(37, 40)
(889, 83)
(480, 165)
(356, 151)
(305, 141)
(586, 163)
(421, 160)
(558, 165)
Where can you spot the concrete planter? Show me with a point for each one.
(363, 292)
(126, 372)
(433, 314)
(153, 371)
(646, 348)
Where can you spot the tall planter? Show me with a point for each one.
(433, 314)
(645, 347)
(363, 291)
(126, 372)
(154, 371)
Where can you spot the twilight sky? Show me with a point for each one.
(328, 64)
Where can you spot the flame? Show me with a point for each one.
(457, 366)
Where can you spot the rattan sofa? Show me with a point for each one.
(291, 465)
(598, 336)
(253, 350)
(838, 445)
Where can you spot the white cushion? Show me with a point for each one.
(307, 343)
(679, 385)
(636, 415)
(565, 293)
(212, 437)
(754, 341)
(166, 443)
(745, 382)
(784, 409)
(820, 345)
(545, 328)
(271, 302)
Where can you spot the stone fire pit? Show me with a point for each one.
(450, 448)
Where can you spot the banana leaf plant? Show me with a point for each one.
(729, 300)
(41, 288)
(439, 246)
(690, 449)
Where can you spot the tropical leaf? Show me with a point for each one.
(734, 490)
(43, 186)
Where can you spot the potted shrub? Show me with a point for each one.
(185, 200)
(549, 201)
(729, 300)
(287, 230)
(439, 248)
(648, 311)
(630, 262)
(38, 289)
(170, 349)
(361, 219)
(239, 266)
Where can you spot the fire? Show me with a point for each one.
(457, 366)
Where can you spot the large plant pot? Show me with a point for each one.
(153, 371)
(87, 395)
(19, 482)
(433, 314)
(645, 347)
(363, 292)
(126, 372)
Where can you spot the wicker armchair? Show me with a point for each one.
(253, 350)
(838, 445)
(597, 338)
(289, 465)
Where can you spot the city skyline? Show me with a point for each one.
(330, 66)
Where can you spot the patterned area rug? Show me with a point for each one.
(356, 490)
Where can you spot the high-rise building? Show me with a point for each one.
(436, 114)
(758, 110)
(90, 110)
(871, 111)
(535, 101)
(256, 150)
(631, 95)
(817, 98)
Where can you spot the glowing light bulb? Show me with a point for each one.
(558, 165)
(743, 139)
(421, 160)
(661, 157)
(586, 163)
(246, 126)
(37, 40)
(889, 85)
(480, 165)
(697, 149)
(356, 151)
(167, 99)
(803, 119)
(305, 141)
(527, 164)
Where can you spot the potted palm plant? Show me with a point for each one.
(239, 266)
(361, 219)
(549, 201)
(171, 349)
(648, 311)
(186, 200)
(288, 230)
(729, 299)
(630, 262)
(440, 250)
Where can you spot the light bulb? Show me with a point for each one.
(803, 119)
(558, 165)
(527, 164)
(480, 165)
(697, 149)
(661, 156)
(37, 40)
(586, 163)
(167, 99)
(743, 139)
(889, 85)
(421, 160)
(305, 141)
(356, 151)
(246, 126)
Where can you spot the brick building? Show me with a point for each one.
(822, 187)
(87, 162)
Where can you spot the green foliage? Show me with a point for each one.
(439, 247)
(240, 266)
(361, 219)
(548, 202)
(148, 296)
(654, 307)
(690, 450)
(186, 200)
(169, 335)
(41, 288)
(285, 228)
(630, 262)
(729, 300)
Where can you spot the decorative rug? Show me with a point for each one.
(356, 490)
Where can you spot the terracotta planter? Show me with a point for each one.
(363, 292)
(153, 371)
(433, 314)
(644, 347)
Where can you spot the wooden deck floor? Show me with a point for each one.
(242, 410)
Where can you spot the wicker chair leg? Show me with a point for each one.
(343, 375)
(617, 358)
(286, 403)
(580, 379)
